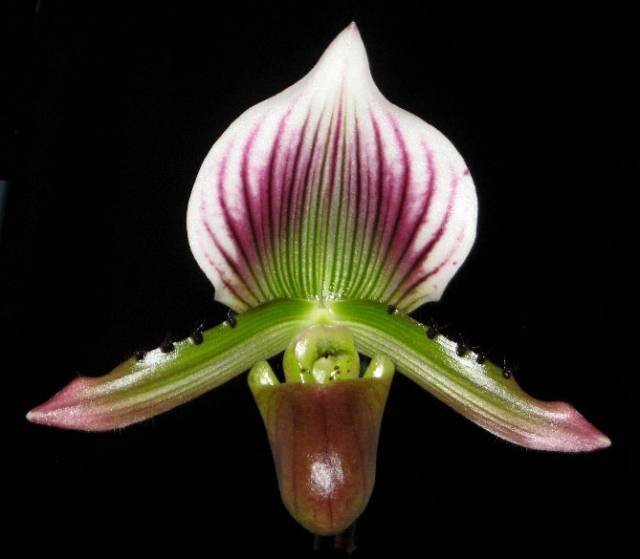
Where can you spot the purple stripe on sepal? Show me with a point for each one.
(403, 225)
(410, 258)
(330, 191)
(415, 275)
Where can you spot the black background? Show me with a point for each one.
(108, 111)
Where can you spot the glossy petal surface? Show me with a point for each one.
(324, 439)
(137, 390)
(327, 190)
(480, 392)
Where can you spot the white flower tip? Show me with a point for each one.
(603, 441)
(345, 59)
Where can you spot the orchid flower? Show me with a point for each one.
(324, 216)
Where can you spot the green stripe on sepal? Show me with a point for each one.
(329, 190)
(479, 391)
(137, 390)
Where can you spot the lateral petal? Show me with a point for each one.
(137, 390)
(479, 391)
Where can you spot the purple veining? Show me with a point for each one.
(398, 238)
(361, 231)
(333, 200)
(233, 230)
(427, 249)
(279, 240)
(288, 211)
(411, 257)
(329, 202)
(386, 189)
(254, 221)
(227, 284)
(437, 268)
(377, 188)
(306, 193)
(349, 214)
(225, 255)
(267, 182)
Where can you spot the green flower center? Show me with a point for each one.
(321, 354)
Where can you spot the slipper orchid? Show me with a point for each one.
(323, 216)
